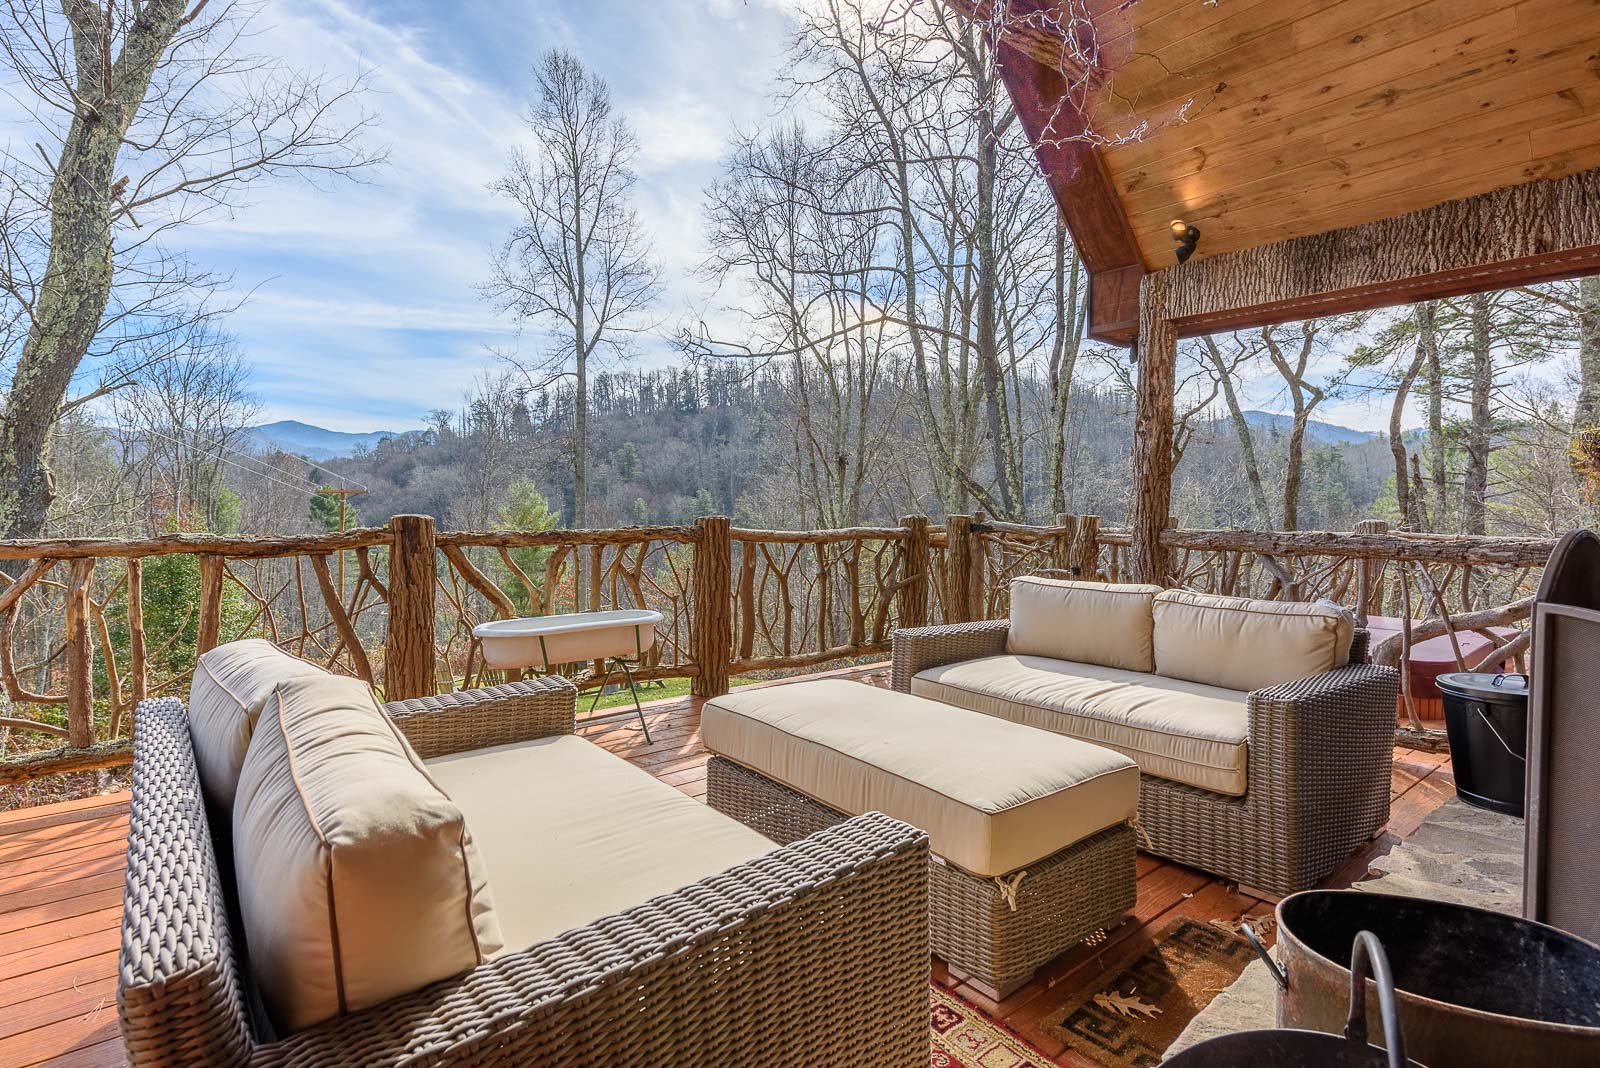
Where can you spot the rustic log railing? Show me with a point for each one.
(90, 627)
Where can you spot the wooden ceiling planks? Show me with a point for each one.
(1314, 114)
(1270, 120)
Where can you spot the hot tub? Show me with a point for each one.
(540, 642)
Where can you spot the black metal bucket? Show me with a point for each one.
(1475, 989)
(1486, 717)
(1284, 1048)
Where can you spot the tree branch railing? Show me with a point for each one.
(91, 627)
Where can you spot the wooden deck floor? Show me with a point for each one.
(61, 896)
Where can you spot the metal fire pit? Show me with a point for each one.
(1475, 989)
(1314, 1049)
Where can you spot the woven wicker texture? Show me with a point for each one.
(707, 975)
(1059, 901)
(1320, 756)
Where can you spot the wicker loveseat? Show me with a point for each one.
(1271, 784)
(707, 974)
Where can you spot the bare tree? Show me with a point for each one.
(578, 265)
(182, 421)
(148, 115)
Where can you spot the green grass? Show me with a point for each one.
(648, 691)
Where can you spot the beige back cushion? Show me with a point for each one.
(1243, 644)
(1102, 623)
(358, 879)
(231, 684)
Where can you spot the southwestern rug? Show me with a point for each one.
(1130, 1019)
(963, 1037)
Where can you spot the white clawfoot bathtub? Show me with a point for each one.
(539, 642)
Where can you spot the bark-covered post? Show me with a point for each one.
(1086, 549)
(210, 628)
(963, 564)
(1369, 596)
(1157, 350)
(911, 603)
(80, 656)
(408, 667)
(138, 661)
(1061, 542)
(711, 630)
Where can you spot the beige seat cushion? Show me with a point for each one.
(1243, 644)
(993, 796)
(358, 879)
(571, 833)
(231, 684)
(1089, 622)
(1176, 730)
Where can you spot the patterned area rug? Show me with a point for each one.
(963, 1037)
(1131, 1019)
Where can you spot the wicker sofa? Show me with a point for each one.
(1306, 777)
(703, 975)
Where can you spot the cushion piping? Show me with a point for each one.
(327, 853)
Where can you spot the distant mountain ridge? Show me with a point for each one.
(315, 442)
(1316, 430)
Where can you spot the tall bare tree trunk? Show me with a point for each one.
(993, 377)
(1587, 412)
(76, 285)
(1437, 473)
(1480, 426)
(1063, 362)
(1241, 428)
(1426, 352)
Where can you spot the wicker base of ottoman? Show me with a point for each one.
(994, 931)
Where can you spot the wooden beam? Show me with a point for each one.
(1534, 232)
(1056, 126)
(408, 658)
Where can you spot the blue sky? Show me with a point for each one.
(364, 313)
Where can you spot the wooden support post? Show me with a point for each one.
(963, 565)
(711, 635)
(408, 660)
(210, 629)
(80, 657)
(1061, 544)
(1369, 591)
(1086, 549)
(138, 659)
(1157, 350)
(911, 603)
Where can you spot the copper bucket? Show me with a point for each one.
(1475, 988)
(1313, 1049)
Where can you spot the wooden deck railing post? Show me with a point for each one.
(711, 627)
(210, 628)
(963, 564)
(1369, 596)
(138, 663)
(1086, 549)
(1061, 544)
(911, 604)
(80, 657)
(408, 659)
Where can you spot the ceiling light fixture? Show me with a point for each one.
(1187, 238)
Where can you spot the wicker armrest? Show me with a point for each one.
(1360, 646)
(494, 715)
(1357, 691)
(920, 648)
(706, 975)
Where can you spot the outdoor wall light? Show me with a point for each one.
(1187, 238)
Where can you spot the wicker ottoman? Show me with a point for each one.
(1031, 831)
